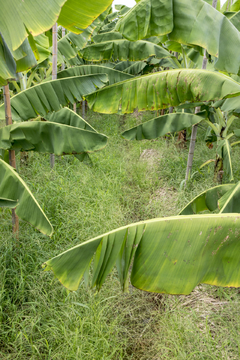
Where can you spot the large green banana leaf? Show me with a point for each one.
(50, 137)
(163, 89)
(170, 255)
(68, 117)
(114, 76)
(195, 22)
(208, 200)
(119, 50)
(162, 125)
(51, 95)
(14, 188)
(18, 17)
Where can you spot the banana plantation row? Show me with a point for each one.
(178, 57)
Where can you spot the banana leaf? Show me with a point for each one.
(51, 96)
(19, 18)
(8, 203)
(229, 202)
(163, 125)
(68, 117)
(187, 23)
(168, 255)
(162, 90)
(50, 137)
(14, 188)
(114, 76)
(207, 200)
(120, 50)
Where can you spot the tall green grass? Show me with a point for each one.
(127, 182)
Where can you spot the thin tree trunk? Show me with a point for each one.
(194, 128)
(54, 71)
(63, 34)
(23, 86)
(12, 158)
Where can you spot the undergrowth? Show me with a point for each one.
(126, 182)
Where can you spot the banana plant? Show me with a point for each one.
(167, 255)
(218, 132)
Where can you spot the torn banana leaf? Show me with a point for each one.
(168, 255)
(163, 125)
(114, 76)
(163, 89)
(50, 137)
(51, 96)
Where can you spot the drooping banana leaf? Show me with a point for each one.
(8, 203)
(207, 200)
(120, 50)
(163, 89)
(14, 188)
(18, 17)
(68, 117)
(187, 23)
(51, 95)
(114, 76)
(170, 255)
(49, 137)
(162, 125)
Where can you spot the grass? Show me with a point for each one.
(127, 182)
